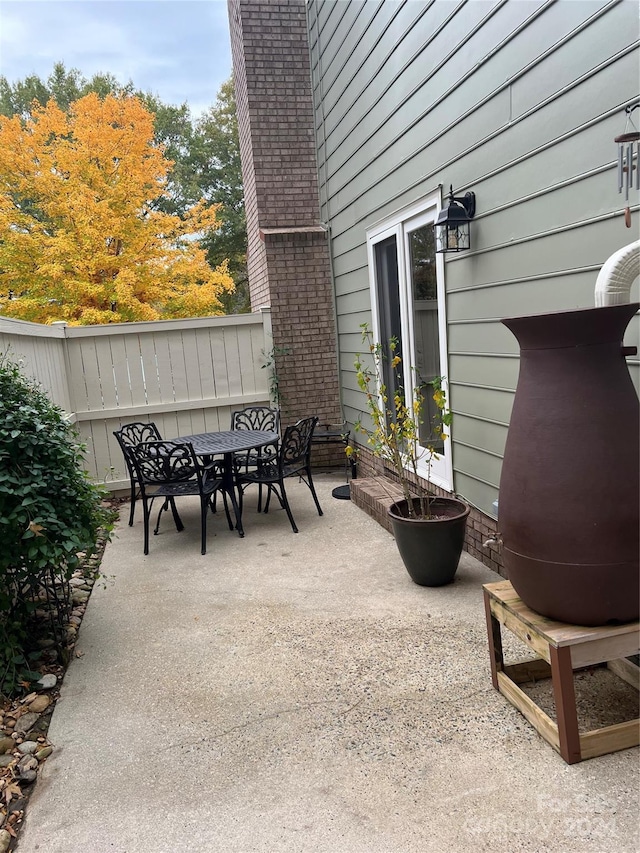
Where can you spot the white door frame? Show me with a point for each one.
(400, 224)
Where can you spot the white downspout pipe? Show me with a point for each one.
(613, 285)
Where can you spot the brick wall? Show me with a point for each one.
(271, 62)
(288, 250)
(256, 258)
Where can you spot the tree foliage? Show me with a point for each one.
(217, 163)
(83, 237)
(204, 157)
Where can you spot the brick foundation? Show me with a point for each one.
(376, 488)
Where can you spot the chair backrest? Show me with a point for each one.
(160, 463)
(256, 417)
(295, 448)
(131, 435)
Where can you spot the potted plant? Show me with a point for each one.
(429, 529)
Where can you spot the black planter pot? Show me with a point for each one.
(430, 547)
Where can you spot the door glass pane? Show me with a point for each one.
(424, 304)
(388, 287)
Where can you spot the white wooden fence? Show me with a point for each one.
(185, 375)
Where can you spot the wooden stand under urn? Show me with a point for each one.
(562, 649)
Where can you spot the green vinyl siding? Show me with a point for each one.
(517, 101)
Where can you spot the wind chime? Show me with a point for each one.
(628, 160)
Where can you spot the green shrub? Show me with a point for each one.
(49, 508)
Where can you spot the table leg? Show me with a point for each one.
(565, 699)
(229, 487)
(495, 641)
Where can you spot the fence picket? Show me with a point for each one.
(232, 361)
(192, 362)
(150, 369)
(88, 364)
(205, 362)
(178, 368)
(219, 363)
(124, 394)
(108, 387)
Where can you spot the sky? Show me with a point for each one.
(178, 49)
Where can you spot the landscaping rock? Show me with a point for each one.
(26, 722)
(47, 681)
(79, 596)
(7, 744)
(40, 704)
(28, 776)
(26, 763)
(28, 747)
(33, 735)
(44, 753)
(6, 760)
(5, 840)
(16, 805)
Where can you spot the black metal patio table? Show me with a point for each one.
(208, 444)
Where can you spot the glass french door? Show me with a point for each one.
(409, 304)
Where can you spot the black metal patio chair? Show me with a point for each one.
(293, 459)
(169, 470)
(129, 436)
(262, 418)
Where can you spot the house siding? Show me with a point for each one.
(517, 101)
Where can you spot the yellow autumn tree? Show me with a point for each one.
(81, 239)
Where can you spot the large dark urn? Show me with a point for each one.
(569, 491)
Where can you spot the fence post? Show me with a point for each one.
(67, 369)
(267, 329)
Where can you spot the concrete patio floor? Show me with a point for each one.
(299, 694)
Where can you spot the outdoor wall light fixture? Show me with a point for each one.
(452, 224)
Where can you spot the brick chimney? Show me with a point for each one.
(288, 248)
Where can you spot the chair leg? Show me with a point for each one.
(133, 503)
(146, 510)
(259, 497)
(204, 506)
(226, 509)
(162, 509)
(176, 517)
(285, 503)
(313, 490)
